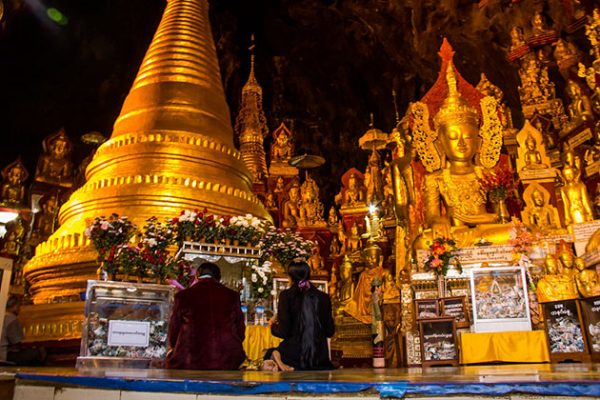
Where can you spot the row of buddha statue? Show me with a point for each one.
(566, 277)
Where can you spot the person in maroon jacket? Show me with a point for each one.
(207, 328)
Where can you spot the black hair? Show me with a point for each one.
(310, 325)
(298, 271)
(211, 269)
(12, 301)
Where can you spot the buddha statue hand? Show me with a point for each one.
(476, 219)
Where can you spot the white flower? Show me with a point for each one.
(254, 278)
(260, 290)
(273, 292)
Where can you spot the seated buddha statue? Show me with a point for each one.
(592, 153)
(538, 26)
(553, 286)
(332, 217)
(574, 196)
(538, 214)
(46, 221)
(354, 193)
(359, 306)
(12, 191)
(291, 207)
(532, 156)
(516, 38)
(315, 261)
(311, 208)
(54, 165)
(453, 181)
(586, 280)
(391, 293)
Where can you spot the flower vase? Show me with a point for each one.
(502, 211)
(236, 242)
(441, 283)
(228, 241)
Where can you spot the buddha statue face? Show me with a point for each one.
(538, 20)
(460, 140)
(372, 256)
(15, 175)
(294, 192)
(530, 143)
(352, 181)
(59, 148)
(569, 174)
(567, 259)
(579, 264)
(538, 198)
(551, 265)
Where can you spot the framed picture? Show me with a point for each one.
(280, 284)
(564, 331)
(438, 341)
(499, 298)
(427, 308)
(455, 307)
(5, 274)
(590, 309)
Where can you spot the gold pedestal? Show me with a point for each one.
(354, 338)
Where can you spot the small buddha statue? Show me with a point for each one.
(282, 148)
(454, 200)
(270, 201)
(391, 293)
(346, 281)
(279, 186)
(373, 179)
(46, 221)
(592, 31)
(359, 306)
(586, 280)
(566, 260)
(332, 217)
(539, 214)
(533, 157)
(538, 26)
(388, 193)
(574, 196)
(12, 191)
(311, 208)
(315, 261)
(354, 193)
(592, 153)
(332, 286)
(11, 245)
(516, 38)
(334, 246)
(580, 108)
(353, 241)
(291, 207)
(553, 286)
(566, 56)
(54, 166)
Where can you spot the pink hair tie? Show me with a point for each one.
(304, 284)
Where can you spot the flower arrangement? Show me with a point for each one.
(107, 234)
(522, 240)
(260, 277)
(284, 246)
(498, 183)
(441, 252)
(155, 240)
(248, 229)
(127, 260)
(182, 273)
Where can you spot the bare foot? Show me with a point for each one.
(280, 364)
(270, 365)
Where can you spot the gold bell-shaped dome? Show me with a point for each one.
(171, 149)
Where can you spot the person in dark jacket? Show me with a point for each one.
(207, 328)
(304, 322)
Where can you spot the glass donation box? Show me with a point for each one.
(125, 325)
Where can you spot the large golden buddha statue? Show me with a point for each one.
(455, 156)
(574, 195)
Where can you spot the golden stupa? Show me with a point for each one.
(171, 149)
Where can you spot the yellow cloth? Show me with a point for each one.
(258, 339)
(503, 346)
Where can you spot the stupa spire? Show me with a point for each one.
(171, 149)
(251, 125)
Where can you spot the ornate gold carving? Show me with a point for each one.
(425, 137)
(491, 133)
(538, 213)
